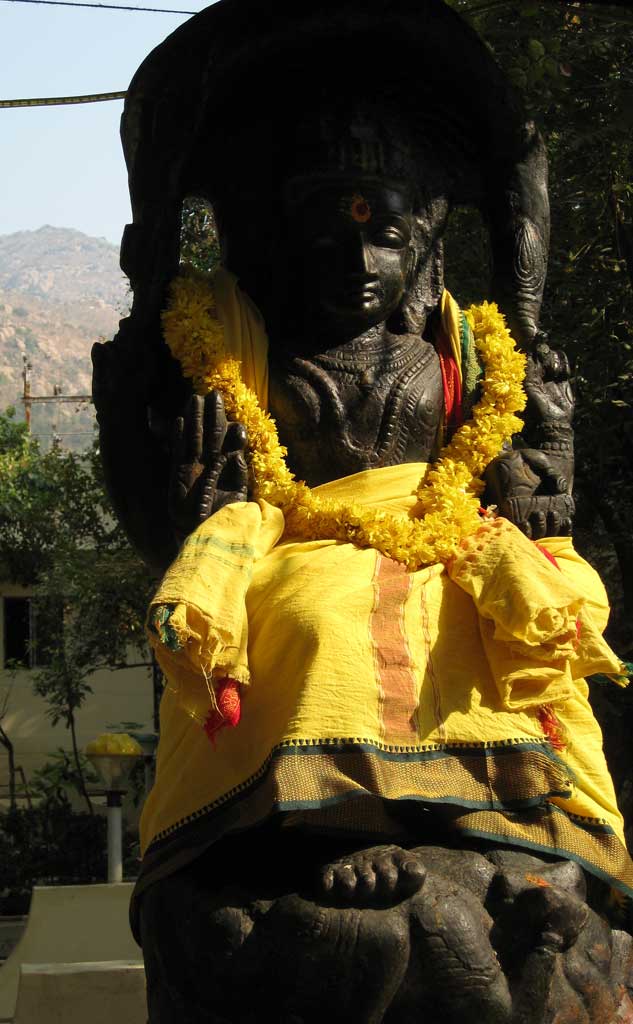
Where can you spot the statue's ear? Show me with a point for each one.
(424, 291)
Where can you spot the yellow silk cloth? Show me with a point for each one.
(365, 682)
(366, 688)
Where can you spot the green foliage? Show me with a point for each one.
(49, 845)
(48, 501)
(199, 244)
(14, 436)
(58, 780)
(57, 533)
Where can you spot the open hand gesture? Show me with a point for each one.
(208, 466)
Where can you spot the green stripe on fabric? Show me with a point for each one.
(247, 568)
(224, 545)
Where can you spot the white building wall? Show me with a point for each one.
(121, 696)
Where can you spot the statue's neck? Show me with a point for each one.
(374, 346)
(372, 401)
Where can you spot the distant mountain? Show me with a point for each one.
(60, 291)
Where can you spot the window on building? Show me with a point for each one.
(29, 627)
(17, 631)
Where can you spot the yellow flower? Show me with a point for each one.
(448, 495)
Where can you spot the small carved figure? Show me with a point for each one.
(375, 701)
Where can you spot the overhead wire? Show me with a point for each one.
(100, 97)
(110, 7)
(52, 101)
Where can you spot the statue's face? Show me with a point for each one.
(354, 255)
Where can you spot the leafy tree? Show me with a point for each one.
(57, 535)
(199, 242)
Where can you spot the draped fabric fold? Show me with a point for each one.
(363, 685)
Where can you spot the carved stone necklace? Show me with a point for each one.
(358, 408)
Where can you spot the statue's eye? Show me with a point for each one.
(389, 238)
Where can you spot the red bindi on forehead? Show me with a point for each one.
(357, 207)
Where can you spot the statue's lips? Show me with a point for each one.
(356, 296)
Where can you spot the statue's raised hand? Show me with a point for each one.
(208, 468)
(531, 485)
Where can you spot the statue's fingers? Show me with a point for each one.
(538, 525)
(553, 523)
(177, 490)
(412, 875)
(192, 430)
(386, 875)
(566, 527)
(526, 528)
(214, 426)
(206, 493)
(236, 438)
(234, 475)
(366, 880)
(327, 878)
(345, 881)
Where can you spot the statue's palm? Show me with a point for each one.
(208, 463)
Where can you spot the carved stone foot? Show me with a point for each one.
(384, 935)
(381, 876)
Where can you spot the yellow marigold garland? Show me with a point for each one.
(448, 495)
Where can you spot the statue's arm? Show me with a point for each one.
(532, 483)
(135, 459)
(162, 487)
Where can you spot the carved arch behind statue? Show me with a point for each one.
(198, 92)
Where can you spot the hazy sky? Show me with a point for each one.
(64, 165)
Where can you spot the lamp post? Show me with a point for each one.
(113, 755)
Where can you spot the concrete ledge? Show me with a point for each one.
(70, 924)
(98, 993)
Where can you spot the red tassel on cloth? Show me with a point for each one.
(551, 726)
(228, 711)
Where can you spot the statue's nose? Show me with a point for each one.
(357, 257)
